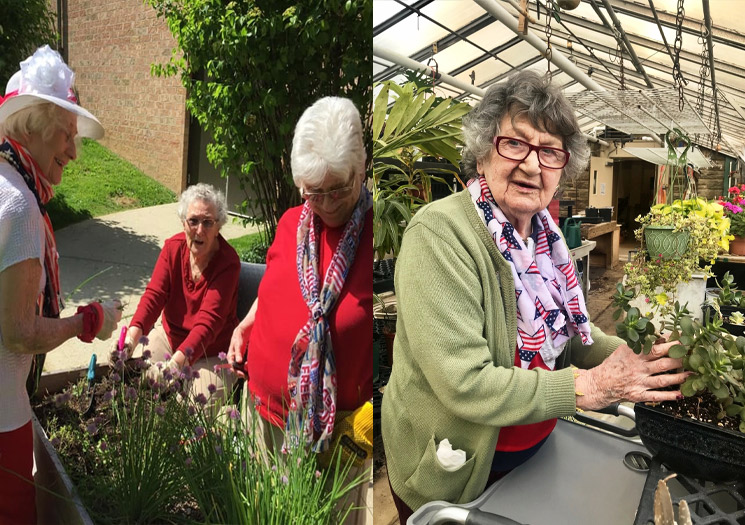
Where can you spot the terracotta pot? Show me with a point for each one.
(737, 245)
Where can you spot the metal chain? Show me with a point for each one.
(703, 70)
(620, 54)
(677, 75)
(548, 31)
(703, 74)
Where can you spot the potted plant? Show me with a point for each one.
(733, 210)
(713, 407)
(662, 263)
(414, 125)
(729, 304)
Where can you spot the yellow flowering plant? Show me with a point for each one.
(656, 278)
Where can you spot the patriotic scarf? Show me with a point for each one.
(49, 302)
(549, 295)
(312, 373)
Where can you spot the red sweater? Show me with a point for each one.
(282, 312)
(201, 315)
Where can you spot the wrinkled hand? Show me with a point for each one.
(126, 352)
(236, 357)
(626, 376)
(112, 314)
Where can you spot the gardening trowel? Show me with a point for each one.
(91, 377)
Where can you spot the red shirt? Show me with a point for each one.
(523, 437)
(282, 312)
(201, 315)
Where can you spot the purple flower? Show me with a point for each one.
(186, 372)
(103, 446)
(212, 388)
(191, 410)
(195, 374)
(234, 414)
(274, 468)
(119, 365)
(166, 357)
(201, 399)
(59, 400)
(91, 428)
(188, 462)
(160, 410)
(218, 449)
(216, 369)
(144, 340)
(189, 352)
(55, 442)
(116, 377)
(222, 356)
(131, 393)
(146, 354)
(285, 480)
(167, 375)
(318, 474)
(199, 432)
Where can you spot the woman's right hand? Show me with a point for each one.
(236, 351)
(626, 376)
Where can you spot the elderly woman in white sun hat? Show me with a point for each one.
(39, 121)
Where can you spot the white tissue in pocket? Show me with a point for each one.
(450, 459)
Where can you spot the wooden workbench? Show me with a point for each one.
(608, 237)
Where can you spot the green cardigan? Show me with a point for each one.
(453, 375)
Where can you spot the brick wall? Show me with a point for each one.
(111, 44)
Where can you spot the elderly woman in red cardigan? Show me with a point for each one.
(308, 334)
(195, 287)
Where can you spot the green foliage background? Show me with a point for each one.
(251, 67)
(24, 26)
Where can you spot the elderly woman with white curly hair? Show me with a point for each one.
(195, 287)
(491, 314)
(307, 338)
(40, 119)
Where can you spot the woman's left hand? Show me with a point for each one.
(626, 376)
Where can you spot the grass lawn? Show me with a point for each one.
(250, 248)
(98, 183)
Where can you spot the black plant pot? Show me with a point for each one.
(690, 447)
(733, 329)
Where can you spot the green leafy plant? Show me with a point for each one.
(728, 294)
(250, 69)
(155, 453)
(24, 27)
(415, 125)
(657, 278)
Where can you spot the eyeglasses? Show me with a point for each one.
(334, 195)
(194, 223)
(516, 149)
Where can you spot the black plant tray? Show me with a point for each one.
(691, 447)
(733, 329)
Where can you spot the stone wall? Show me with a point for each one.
(111, 45)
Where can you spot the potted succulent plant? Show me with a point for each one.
(711, 416)
(728, 303)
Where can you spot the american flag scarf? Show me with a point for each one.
(311, 378)
(549, 295)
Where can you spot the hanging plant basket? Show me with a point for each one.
(663, 241)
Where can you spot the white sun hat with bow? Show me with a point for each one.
(44, 77)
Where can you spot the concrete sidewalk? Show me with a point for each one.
(128, 244)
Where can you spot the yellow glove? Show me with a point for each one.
(354, 436)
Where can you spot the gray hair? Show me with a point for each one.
(205, 193)
(328, 141)
(524, 95)
(44, 118)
